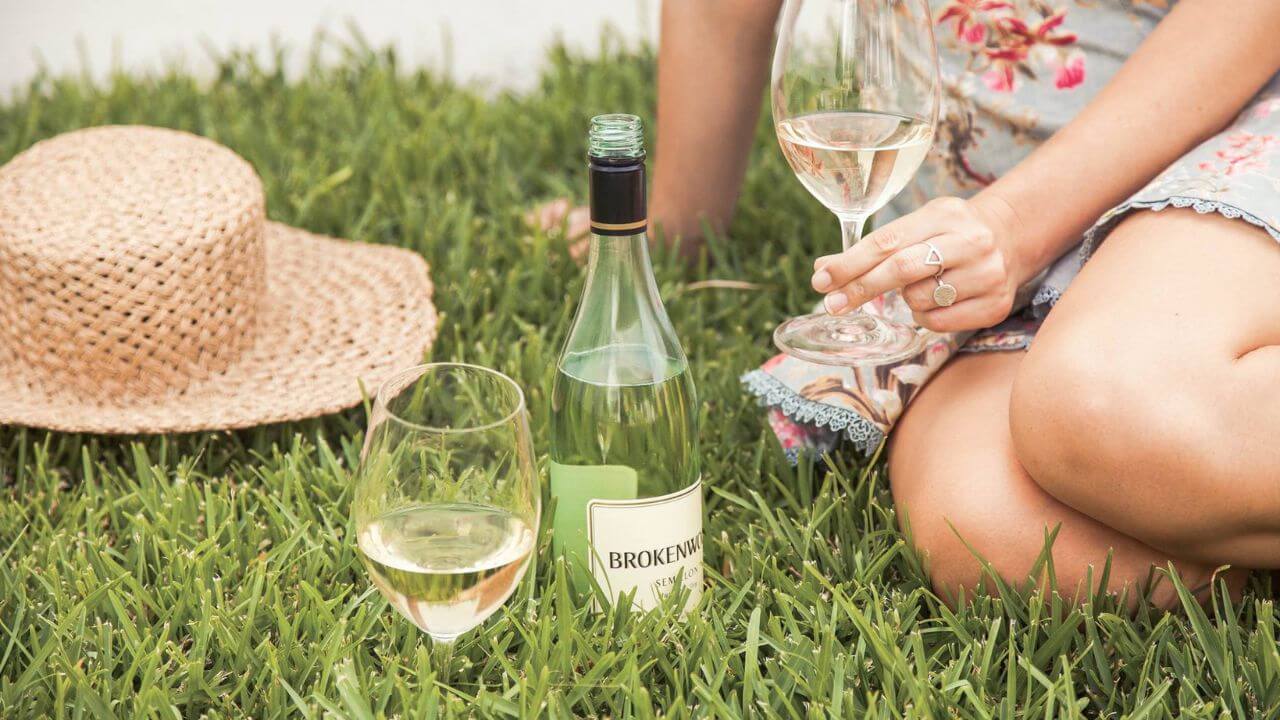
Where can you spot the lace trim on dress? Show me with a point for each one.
(770, 392)
(1022, 342)
(1045, 298)
(1094, 235)
(1047, 295)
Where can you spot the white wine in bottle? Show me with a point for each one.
(624, 452)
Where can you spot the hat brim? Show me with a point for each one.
(338, 318)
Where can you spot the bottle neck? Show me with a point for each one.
(619, 245)
(620, 305)
(620, 258)
(618, 203)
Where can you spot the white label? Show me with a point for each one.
(648, 545)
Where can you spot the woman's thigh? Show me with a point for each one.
(960, 490)
(1149, 398)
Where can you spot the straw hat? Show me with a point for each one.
(143, 290)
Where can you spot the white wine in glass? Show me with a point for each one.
(447, 567)
(855, 97)
(854, 162)
(447, 499)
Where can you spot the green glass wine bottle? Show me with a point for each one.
(624, 452)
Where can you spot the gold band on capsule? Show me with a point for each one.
(637, 225)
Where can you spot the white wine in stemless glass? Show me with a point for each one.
(855, 98)
(447, 500)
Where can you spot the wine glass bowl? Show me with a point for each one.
(855, 96)
(447, 501)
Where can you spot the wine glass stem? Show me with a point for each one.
(851, 229)
(442, 659)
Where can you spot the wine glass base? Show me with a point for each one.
(851, 340)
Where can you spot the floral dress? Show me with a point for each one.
(1014, 72)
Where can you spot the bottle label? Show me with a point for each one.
(597, 513)
(574, 487)
(648, 545)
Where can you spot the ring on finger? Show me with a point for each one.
(934, 257)
(945, 293)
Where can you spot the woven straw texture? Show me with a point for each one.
(142, 290)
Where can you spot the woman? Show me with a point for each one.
(1141, 421)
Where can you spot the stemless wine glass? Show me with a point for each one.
(855, 97)
(447, 501)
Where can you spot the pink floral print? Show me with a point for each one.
(1070, 71)
(1000, 46)
(1241, 152)
(1004, 42)
(968, 17)
(1264, 108)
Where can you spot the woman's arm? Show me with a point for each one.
(1188, 79)
(712, 64)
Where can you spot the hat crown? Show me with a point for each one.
(132, 259)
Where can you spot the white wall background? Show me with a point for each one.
(498, 42)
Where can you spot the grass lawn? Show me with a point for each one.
(214, 575)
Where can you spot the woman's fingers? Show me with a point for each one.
(935, 218)
(976, 261)
(969, 281)
(903, 268)
(978, 312)
(560, 215)
(577, 230)
(549, 215)
(833, 271)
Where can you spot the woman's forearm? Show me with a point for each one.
(712, 66)
(1189, 78)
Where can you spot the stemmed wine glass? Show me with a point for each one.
(447, 500)
(855, 96)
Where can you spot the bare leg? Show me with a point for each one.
(956, 480)
(712, 66)
(1148, 399)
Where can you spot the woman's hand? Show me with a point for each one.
(976, 240)
(561, 215)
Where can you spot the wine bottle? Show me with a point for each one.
(624, 452)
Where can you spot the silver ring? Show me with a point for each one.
(945, 294)
(934, 258)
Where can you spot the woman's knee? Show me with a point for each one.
(1073, 410)
(1127, 378)
(1099, 428)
